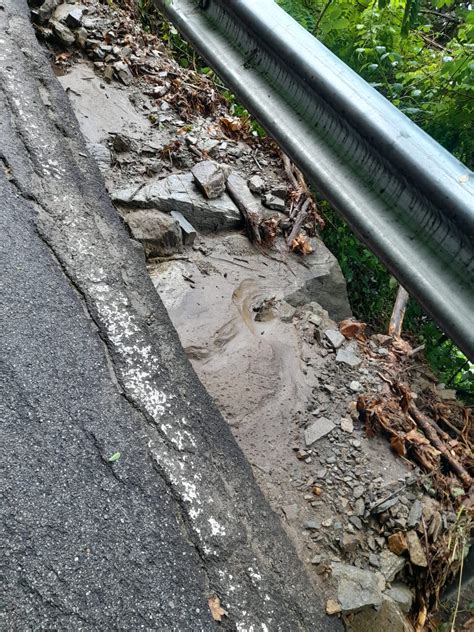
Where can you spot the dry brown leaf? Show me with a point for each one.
(398, 445)
(301, 244)
(217, 611)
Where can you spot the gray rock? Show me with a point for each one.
(347, 425)
(356, 521)
(317, 429)
(415, 514)
(256, 184)
(401, 595)
(121, 143)
(390, 564)
(335, 338)
(357, 588)
(349, 542)
(65, 35)
(387, 504)
(358, 492)
(389, 618)
(159, 233)
(178, 192)
(273, 202)
(290, 511)
(101, 155)
(359, 507)
(210, 178)
(45, 11)
(280, 191)
(317, 559)
(312, 525)
(374, 560)
(355, 386)
(70, 14)
(189, 234)
(415, 550)
(286, 311)
(349, 355)
(123, 72)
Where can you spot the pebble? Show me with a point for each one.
(356, 521)
(347, 424)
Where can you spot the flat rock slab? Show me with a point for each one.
(349, 355)
(318, 429)
(180, 193)
(389, 618)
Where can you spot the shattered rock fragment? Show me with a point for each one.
(349, 355)
(332, 607)
(256, 184)
(274, 203)
(189, 234)
(210, 178)
(123, 72)
(318, 429)
(391, 565)
(415, 550)
(45, 11)
(286, 311)
(389, 618)
(65, 35)
(397, 543)
(347, 425)
(159, 233)
(357, 588)
(334, 338)
(401, 595)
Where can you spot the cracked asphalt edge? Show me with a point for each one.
(247, 558)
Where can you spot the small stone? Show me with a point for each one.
(380, 508)
(358, 492)
(347, 424)
(121, 143)
(74, 16)
(415, 550)
(256, 184)
(291, 512)
(209, 178)
(327, 522)
(349, 542)
(108, 74)
(65, 35)
(382, 351)
(359, 507)
(401, 595)
(334, 337)
(317, 559)
(349, 356)
(391, 565)
(286, 311)
(280, 191)
(123, 72)
(318, 429)
(189, 233)
(356, 521)
(332, 607)
(45, 11)
(374, 560)
(414, 516)
(274, 203)
(355, 386)
(312, 525)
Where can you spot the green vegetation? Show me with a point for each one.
(419, 54)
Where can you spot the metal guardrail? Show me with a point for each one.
(407, 199)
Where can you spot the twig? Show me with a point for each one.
(433, 436)
(288, 170)
(299, 221)
(246, 203)
(398, 313)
